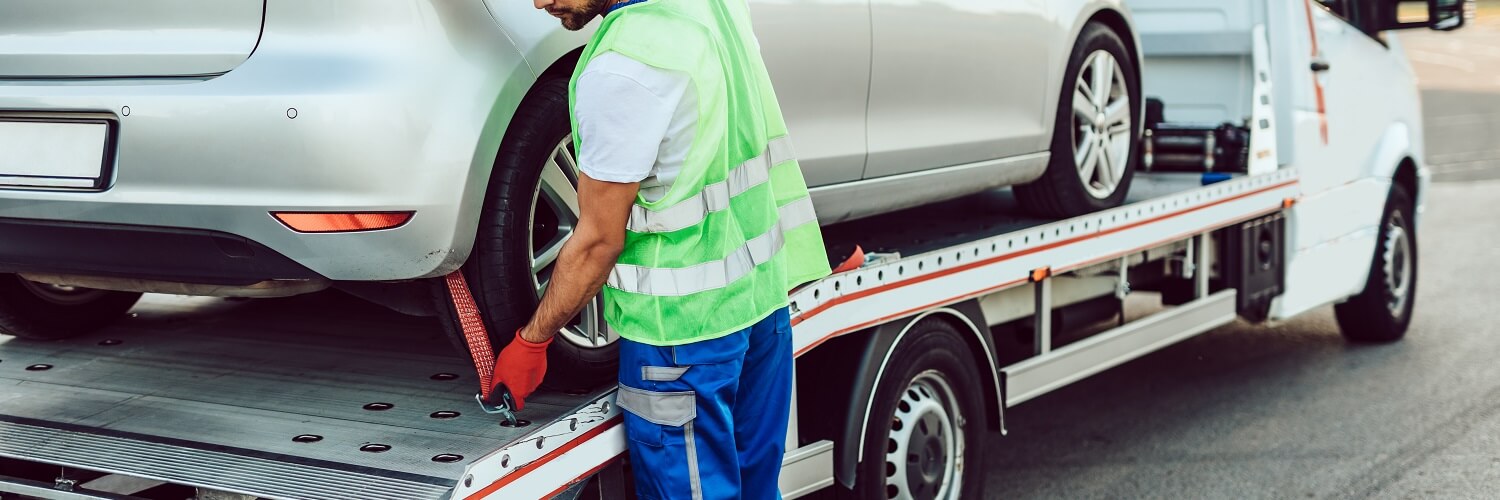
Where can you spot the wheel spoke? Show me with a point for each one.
(1120, 149)
(548, 255)
(1105, 170)
(558, 189)
(1090, 161)
(1104, 72)
(564, 156)
(1083, 105)
(585, 329)
(1118, 113)
(553, 219)
(1086, 145)
(1113, 164)
(606, 335)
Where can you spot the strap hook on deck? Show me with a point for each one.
(477, 339)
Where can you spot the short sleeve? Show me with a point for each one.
(621, 122)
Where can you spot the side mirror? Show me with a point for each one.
(1441, 15)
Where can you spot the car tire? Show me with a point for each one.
(40, 311)
(516, 214)
(1093, 158)
(925, 434)
(1383, 310)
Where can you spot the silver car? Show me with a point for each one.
(279, 147)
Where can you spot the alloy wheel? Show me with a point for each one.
(1101, 124)
(554, 216)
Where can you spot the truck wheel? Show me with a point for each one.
(924, 438)
(42, 311)
(1382, 311)
(1095, 135)
(530, 210)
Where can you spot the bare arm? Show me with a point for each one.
(585, 260)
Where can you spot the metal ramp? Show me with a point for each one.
(309, 397)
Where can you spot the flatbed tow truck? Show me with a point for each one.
(207, 398)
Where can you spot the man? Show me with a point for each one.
(696, 222)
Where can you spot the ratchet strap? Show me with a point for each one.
(475, 336)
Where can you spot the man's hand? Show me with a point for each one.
(521, 366)
(581, 269)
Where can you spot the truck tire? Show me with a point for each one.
(529, 209)
(1094, 143)
(1382, 311)
(40, 311)
(925, 432)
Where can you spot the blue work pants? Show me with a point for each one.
(708, 420)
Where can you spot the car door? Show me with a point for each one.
(955, 82)
(818, 55)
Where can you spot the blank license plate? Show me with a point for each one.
(52, 154)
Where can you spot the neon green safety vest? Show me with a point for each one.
(736, 230)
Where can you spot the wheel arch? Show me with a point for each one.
(514, 94)
(1395, 159)
(1408, 177)
(1111, 14)
(876, 348)
(1119, 21)
(563, 65)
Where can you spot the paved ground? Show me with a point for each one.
(1294, 411)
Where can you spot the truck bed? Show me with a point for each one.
(212, 392)
(985, 215)
(208, 391)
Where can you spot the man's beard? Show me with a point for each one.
(574, 20)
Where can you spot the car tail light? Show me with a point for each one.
(323, 222)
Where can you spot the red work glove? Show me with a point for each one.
(520, 367)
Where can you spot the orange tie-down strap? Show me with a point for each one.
(475, 336)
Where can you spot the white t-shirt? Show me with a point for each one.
(635, 122)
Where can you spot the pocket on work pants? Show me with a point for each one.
(678, 419)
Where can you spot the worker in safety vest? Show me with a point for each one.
(696, 221)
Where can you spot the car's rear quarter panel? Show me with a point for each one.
(398, 105)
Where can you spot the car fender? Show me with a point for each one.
(1069, 18)
(541, 39)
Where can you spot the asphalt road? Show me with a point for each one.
(1293, 411)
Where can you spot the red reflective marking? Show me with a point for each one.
(513, 476)
(999, 258)
(528, 468)
(319, 222)
(1312, 31)
(591, 472)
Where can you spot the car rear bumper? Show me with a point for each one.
(141, 252)
(338, 110)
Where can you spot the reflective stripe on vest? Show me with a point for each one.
(714, 197)
(720, 273)
(733, 234)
